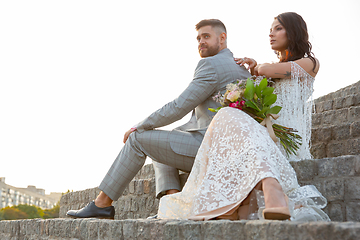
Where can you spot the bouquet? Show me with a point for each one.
(256, 98)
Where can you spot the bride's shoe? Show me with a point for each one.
(277, 213)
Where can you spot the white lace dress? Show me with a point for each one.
(237, 153)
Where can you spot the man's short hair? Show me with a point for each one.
(215, 23)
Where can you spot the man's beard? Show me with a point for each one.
(209, 51)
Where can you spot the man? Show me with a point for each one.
(176, 149)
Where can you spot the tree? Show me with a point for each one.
(31, 211)
(53, 212)
(11, 213)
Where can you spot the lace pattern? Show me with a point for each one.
(296, 91)
(237, 153)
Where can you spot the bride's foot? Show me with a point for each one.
(276, 202)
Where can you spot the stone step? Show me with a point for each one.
(337, 178)
(343, 98)
(336, 117)
(336, 140)
(41, 229)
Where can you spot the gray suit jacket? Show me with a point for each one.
(212, 74)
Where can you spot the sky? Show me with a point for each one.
(76, 75)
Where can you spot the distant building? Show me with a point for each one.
(12, 196)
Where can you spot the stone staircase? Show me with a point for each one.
(336, 123)
(335, 171)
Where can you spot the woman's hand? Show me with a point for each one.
(248, 61)
(127, 134)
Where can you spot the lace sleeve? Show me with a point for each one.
(295, 96)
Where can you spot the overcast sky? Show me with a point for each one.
(75, 75)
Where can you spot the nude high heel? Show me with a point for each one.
(277, 213)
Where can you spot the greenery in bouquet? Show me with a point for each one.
(255, 97)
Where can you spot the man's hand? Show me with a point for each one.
(127, 134)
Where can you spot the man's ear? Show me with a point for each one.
(223, 37)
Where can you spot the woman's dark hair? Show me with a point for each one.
(296, 31)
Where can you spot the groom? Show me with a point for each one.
(172, 150)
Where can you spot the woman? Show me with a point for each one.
(238, 157)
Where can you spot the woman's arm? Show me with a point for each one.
(283, 69)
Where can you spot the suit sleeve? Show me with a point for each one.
(201, 87)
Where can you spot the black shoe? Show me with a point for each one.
(152, 217)
(92, 211)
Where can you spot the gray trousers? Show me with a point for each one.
(156, 145)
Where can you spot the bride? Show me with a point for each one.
(239, 171)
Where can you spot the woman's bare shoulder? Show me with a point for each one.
(308, 65)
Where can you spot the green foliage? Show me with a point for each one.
(28, 212)
(260, 98)
(12, 213)
(53, 212)
(31, 211)
(215, 110)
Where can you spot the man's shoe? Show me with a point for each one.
(153, 217)
(92, 211)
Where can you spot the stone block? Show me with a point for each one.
(326, 167)
(172, 230)
(345, 165)
(345, 231)
(353, 211)
(190, 230)
(355, 129)
(328, 105)
(323, 134)
(352, 146)
(256, 229)
(139, 187)
(354, 113)
(334, 189)
(357, 99)
(319, 107)
(150, 229)
(341, 116)
(349, 101)
(127, 204)
(341, 132)
(281, 230)
(92, 228)
(357, 165)
(318, 150)
(344, 102)
(338, 103)
(335, 149)
(110, 229)
(335, 212)
(134, 205)
(63, 227)
(353, 188)
(314, 230)
(305, 169)
(316, 119)
(147, 186)
(132, 187)
(130, 229)
(182, 230)
(328, 118)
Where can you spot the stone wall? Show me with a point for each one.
(336, 123)
(338, 179)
